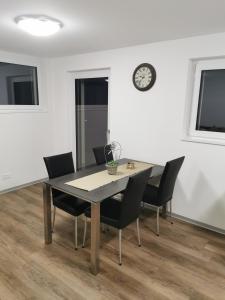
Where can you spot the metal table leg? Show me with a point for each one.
(164, 211)
(47, 213)
(95, 237)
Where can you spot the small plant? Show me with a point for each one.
(112, 163)
(115, 151)
(111, 167)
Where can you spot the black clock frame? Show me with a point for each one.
(153, 72)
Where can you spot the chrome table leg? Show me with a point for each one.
(138, 233)
(47, 213)
(95, 237)
(120, 247)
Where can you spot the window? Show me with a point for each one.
(18, 85)
(211, 101)
(208, 107)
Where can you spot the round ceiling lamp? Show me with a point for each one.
(38, 25)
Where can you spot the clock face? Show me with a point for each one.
(144, 77)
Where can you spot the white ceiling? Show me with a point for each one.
(91, 25)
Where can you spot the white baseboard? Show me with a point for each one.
(191, 221)
(22, 186)
(199, 224)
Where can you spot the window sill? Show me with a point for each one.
(203, 140)
(23, 109)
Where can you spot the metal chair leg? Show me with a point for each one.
(53, 219)
(171, 212)
(120, 247)
(103, 227)
(157, 220)
(138, 233)
(75, 232)
(85, 232)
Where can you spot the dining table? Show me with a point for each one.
(94, 197)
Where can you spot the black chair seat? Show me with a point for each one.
(151, 195)
(59, 165)
(163, 193)
(110, 212)
(70, 204)
(120, 214)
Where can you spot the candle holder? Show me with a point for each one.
(130, 165)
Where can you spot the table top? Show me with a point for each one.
(98, 194)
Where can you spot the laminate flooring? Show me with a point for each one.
(184, 262)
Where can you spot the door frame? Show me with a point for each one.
(82, 74)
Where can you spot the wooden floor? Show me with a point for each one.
(185, 262)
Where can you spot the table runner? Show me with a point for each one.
(96, 180)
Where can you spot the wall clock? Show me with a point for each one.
(144, 77)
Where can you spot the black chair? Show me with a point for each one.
(103, 154)
(120, 214)
(59, 165)
(158, 196)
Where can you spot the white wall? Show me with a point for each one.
(149, 125)
(25, 137)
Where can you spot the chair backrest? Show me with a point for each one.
(168, 180)
(130, 206)
(102, 154)
(59, 165)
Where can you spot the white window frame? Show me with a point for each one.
(200, 135)
(25, 108)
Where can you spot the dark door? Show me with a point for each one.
(91, 118)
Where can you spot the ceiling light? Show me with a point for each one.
(38, 25)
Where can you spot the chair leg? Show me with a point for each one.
(103, 227)
(138, 233)
(171, 212)
(157, 221)
(85, 232)
(120, 247)
(53, 219)
(75, 232)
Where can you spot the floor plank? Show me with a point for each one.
(185, 262)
